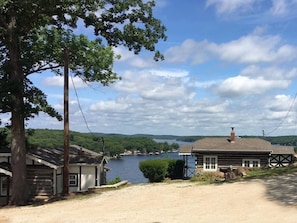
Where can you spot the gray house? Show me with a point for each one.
(45, 171)
(214, 153)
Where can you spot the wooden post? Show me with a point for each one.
(66, 124)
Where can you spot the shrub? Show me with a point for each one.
(154, 170)
(114, 181)
(175, 169)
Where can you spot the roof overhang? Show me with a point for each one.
(231, 151)
(184, 154)
(36, 159)
(6, 172)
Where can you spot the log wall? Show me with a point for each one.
(227, 159)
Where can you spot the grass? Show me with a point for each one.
(269, 172)
(256, 173)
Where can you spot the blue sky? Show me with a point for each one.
(227, 63)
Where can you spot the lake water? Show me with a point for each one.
(127, 167)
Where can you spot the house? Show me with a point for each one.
(215, 153)
(45, 171)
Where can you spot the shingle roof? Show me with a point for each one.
(55, 156)
(239, 145)
(283, 150)
(5, 168)
(185, 149)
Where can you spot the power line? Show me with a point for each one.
(282, 121)
(77, 98)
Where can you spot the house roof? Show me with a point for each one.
(5, 168)
(54, 157)
(240, 144)
(220, 144)
(185, 150)
(282, 149)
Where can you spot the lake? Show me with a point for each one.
(127, 167)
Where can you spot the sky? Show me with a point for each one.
(228, 63)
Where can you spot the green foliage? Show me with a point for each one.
(3, 138)
(175, 168)
(154, 170)
(157, 169)
(110, 145)
(33, 36)
(114, 181)
(205, 177)
(268, 172)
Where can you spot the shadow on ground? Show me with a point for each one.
(282, 189)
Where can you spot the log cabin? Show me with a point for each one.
(216, 153)
(45, 171)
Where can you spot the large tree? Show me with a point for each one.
(33, 34)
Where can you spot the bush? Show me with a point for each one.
(114, 181)
(154, 170)
(175, 169)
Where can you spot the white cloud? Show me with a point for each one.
(58, 81)
(196, 52)
(153, 84)
(128, 57)
(279, 7)
(231, 6)
(281, 103)
(249, 49)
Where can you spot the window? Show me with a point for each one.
(4, 185)
(251, 162)
(73, 180)
(210, 163)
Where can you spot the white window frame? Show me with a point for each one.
(212, 165)
(251, 163)
(73, 179)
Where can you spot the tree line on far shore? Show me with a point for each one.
(115, 144)
(110, 145)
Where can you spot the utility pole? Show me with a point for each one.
(66, 124)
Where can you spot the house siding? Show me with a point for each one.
(279, 160)
(227, 159)
(39, 181)
(86, 177)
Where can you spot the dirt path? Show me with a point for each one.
(175, 202)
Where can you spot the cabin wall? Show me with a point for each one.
(227, 159)
(280, 160)
(59, 181)
(40, 181)
(86, 177)
(5, 189)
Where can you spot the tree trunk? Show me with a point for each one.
(18, 148)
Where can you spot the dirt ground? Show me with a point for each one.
(272, 200)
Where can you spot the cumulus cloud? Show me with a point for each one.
(128, 57)
(58, 81)
(231, 6)
(249, 49)
(243, 86)
(281, 103)
(154, 84)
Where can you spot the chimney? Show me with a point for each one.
(232, 136)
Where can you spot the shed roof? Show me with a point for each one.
(282, 149)
(185, 150)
